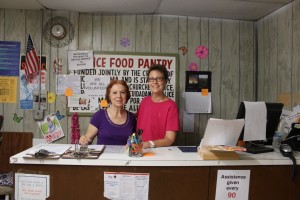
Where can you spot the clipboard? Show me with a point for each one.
(93, 152)
(47, 152)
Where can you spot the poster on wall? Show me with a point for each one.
(9, 58)
(28, 86)
(198, 92)
(131, 68)
(51, 128)
(8, 89)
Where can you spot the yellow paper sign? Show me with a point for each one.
(9, 86)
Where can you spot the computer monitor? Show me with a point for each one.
(273, 118)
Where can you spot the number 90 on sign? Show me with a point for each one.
(231, 195)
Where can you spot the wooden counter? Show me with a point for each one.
(173, 174)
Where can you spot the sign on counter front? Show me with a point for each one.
(233, 184)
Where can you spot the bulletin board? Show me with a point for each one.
(130, 67)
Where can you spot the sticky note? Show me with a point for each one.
(68, 92)
(148, 154)
(204, 92)
(103, 103)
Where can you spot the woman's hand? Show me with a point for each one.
(84, 140)
(146, 145)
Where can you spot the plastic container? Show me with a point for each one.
(276, 141)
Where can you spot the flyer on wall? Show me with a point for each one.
(51, 128)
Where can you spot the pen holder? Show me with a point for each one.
(135, 145)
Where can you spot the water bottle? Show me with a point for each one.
(276, 141)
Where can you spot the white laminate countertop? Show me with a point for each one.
(163, 156)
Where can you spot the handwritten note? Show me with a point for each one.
(32, 186)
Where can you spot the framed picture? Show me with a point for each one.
(198, 80)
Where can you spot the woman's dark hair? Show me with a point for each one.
(114, 82)
(161, 69)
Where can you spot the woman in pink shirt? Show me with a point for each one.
(157, 115)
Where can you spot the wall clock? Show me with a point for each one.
(58, 31)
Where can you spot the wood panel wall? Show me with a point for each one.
(236, 73)
(279, 56)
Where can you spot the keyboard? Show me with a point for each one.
(255, 149)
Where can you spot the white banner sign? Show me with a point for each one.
(133, 70)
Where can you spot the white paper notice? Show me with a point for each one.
(67, 81)
(80, 60)
(255, 121)
(126, 186)
(95, 85)
(78, 101)
(195, 102)
(222, 132)
(32, 186)
(233, 184)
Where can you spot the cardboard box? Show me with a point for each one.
(217, 155)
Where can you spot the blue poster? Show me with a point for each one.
(9, 58)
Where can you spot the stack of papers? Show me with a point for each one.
(48, 151)
(225, 148)
(222, 132)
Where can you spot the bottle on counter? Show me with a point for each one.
(277, 138)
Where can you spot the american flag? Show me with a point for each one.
(31, 59)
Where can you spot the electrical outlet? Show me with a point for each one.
(38, 115)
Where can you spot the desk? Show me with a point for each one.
(173, 174)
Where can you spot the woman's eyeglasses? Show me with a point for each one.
(158, 79)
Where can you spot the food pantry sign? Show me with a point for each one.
(132, 69)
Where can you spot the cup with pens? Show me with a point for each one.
(135, 144)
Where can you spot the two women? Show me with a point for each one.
(157, 115)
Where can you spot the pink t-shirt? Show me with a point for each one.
(157, 118)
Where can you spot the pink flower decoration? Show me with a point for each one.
(201, 52)
(193, 66)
